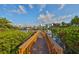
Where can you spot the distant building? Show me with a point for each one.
(56, 24)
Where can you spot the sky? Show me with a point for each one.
(35, 14)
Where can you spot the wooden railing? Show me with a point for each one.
(53, 47)
(25, 48)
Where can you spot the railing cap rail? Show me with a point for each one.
(27, 43)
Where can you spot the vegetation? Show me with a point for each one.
(75, 20)
(4, 23)
(9, 40)
(10, 37)
(70, 36)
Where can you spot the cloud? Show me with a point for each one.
(19, 10)
(61, 6)
(42, 6)
(52, 18)
(46, 18)
(30, 6)
(64, 18)
(50, 15)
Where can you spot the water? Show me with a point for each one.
(56, 39)
(25, 31)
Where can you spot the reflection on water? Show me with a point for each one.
(25, 30)
(56, 39)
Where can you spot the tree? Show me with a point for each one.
(75, 20)
(5, 23)
(63, 23)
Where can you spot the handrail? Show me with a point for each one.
(29, 42)
(52, 45)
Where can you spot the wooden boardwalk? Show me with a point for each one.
(40, 47)
(40, 43)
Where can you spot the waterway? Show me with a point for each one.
(56, 39)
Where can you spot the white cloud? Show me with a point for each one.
(64, 18)
(30, 6)
(52, 18)
(42, 6)
(19, 10)
(61, 6)
(50, 15)
(46, 18)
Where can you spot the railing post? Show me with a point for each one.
(20, 51)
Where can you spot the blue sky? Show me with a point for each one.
(27, 14)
